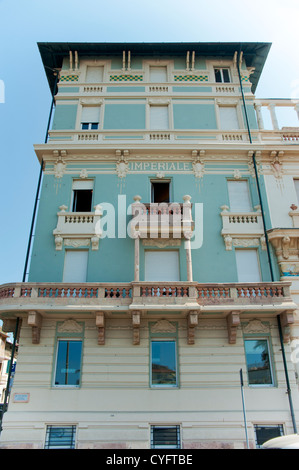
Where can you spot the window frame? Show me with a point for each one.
(164, 338)
(166, 426)
(261, 337)
(280, 426)
(163, 104)
(64, 336)
(252, 249)
(76, 180)
(237, 181)
(62, 426)
(221, 68)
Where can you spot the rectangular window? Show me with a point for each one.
(264, 433)
(160, 191)
(158, 74)
(94, 74)
(68, 363)
(228, 118)
(162, 265)
(165, 437)
(248, 267)
(296, 183)
(60, 437)
(82, 195)
(90, 117)
(222, 75)
(75, 266)
(163, 363)
(239, 197)
(159, 118)
(258, 362)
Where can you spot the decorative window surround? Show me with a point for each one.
(242, 229)
(78, 228)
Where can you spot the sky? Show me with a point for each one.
(25, 102)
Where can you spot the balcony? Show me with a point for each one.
(77, 228)
(242, 228)
(144, 300)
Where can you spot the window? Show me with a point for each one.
(60, 437)
(75, 266)
(90, 117)
(159, 119)
(296, 183)
(162, 265)
(248, 265)
(82, 195)
(163, 363)
(160, 191)
(222, 75)
(264, 433)
(239, 197)
(158, 74)
(228, 118)
(258, 362)
(94, 74)
(68, 363)
(165, 437)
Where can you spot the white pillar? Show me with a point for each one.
(259, 116)
(137, 257)
(271, 108)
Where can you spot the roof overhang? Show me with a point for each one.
(254, 53)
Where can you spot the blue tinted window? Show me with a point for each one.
(68, 365)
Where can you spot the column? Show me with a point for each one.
(271, 108)
(259, 116)
(137, 256)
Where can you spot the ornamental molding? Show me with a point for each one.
(286, 245)
(70, 326)
(163, 326)
(91, 101)
(160, 243)
(255, 326)
(76, 242)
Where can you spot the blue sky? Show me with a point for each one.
(24, 113)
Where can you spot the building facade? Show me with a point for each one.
(159, 273)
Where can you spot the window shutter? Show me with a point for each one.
(159, 117)
(239, 198)
(162, 266)
(75, 266)
(158, 74)
(248, 266)
(94, 74)
(90, 114)
(228, 118)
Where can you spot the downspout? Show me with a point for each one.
(289, 393)
(16, 333)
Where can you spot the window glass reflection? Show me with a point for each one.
(68, 366)
(258, 362)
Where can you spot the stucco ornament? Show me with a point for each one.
(122, 166)
(276, 165)
(59, 167)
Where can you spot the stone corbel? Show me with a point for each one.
(100, 323)
(136, 319)
(286, 320)
(192, 322)
(35, 321)
(233, 321)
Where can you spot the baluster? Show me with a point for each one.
(185, 291)
(268, 291)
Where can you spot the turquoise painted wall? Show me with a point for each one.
(194, 116)
(114, 260)
(124, 116)
(65, 116)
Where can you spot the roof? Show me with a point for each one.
(254, 53)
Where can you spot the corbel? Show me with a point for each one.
(233, 321)
(35, 321)
(100, 323)
(136, 326)
(192, 322)
(286, 320)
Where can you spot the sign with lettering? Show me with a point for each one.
(21, 397)
(160, 166)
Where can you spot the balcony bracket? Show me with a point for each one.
(35, 321)
(192, 323)
(233, 321)
(100, 323)
(136, 326)
(286, 319)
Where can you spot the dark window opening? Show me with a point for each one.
(165, 437)
(264, 433)
(89, 125)
(160, 192)
(222, 76)
(82, 200)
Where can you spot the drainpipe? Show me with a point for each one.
(289, 393)
(16, 333)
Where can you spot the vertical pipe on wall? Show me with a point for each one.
(268, 251)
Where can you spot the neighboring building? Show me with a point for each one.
(153, 281)
(5, 356)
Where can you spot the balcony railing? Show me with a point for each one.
(26, 295)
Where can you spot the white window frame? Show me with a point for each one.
(67, 386)
(229, 104)
(267, 339)
(237, 250)
(85, 184)
(95, 63)
(164, 104)
(75, 251)
(239, 182)
(157, 63)
(169, 340)
(221, 68)
(159, 252)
